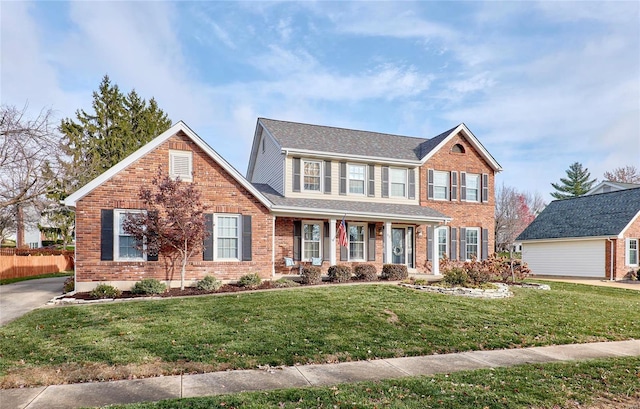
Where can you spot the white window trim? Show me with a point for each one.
(446, 186)
(364, 179)
(302, 241)
(320, 176)
(116, 236)
(406, 182)
(364, 241)
(216, 216)
(478, 243)
(446, 241)
(478, 187)
(627, 248)
(184, 154)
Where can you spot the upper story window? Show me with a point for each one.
(124, 245)
(357, 175)
(181, 165)
(312, 175)
(632, 252)
(441, 185)
(398, 182)
(473, 187)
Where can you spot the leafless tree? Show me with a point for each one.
(623, 174)
(28, 152)
(514, 211)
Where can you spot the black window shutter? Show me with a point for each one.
(485, 244)
(371, 250)
(246, 238)
(207, 253)
(106, 234)
(463, 244)
(453, 248)
(344, 251)
(297, 239)
(385, 181)
(371, 191)
(152, 254)
(296, 174)
(463, 186)
(343, 178)
(485, 187)
(430, 184)
(454, 185)
(326, 253)
(327, 176)
(412, 183)
(430, 243)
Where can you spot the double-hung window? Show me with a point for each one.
(398, 182)
(357, 179)
(311, 240)
(443, 247)
(632, 252)
(312, 175)
(441, 185)
(473, 242)
(227, 237)
(473, 187)
(356, 242)
(125, 246)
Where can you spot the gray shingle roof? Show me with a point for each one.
(292, 135)
(604, 214)
(402, 211)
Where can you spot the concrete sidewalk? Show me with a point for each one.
(215, 383)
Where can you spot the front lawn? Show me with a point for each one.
(309, 325)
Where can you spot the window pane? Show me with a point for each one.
(356, 242)
(633, 251)
(227, 248)
(442, 243)
(472, 243)
(440, 185)
(398, 178)
(127, 249)
(473, 183)
(311, 236)
(227, 236)
(312, 176)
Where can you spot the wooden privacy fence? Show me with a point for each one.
(18, 263)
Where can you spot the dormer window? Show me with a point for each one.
(181, 165)
(457, 148)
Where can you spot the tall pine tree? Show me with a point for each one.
(577, 182)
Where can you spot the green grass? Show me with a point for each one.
(19, 279)
(558, 385)
(310, 325)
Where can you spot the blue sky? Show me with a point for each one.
(541, 84)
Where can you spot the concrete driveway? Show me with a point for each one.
(20, 298)
(629, 285)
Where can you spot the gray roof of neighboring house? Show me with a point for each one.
(292, 135)
(343, 206)
(604, 214)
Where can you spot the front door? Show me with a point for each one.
(402, 246)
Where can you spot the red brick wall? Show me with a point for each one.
(620, 268)
(220, 191)
(464, 214)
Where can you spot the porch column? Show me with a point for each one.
(388, 250)
(435, 264)
(332, 242)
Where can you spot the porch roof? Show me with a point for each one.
(364, 210)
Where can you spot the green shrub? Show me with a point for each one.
(208, 283)
(394, 272)
(250, 280)
(105, 291)
(311, 275)
(69, 284)
(455, 276)
(339, 274)
(148, 286)
(420, 281)
(285, 283)
(366, 272)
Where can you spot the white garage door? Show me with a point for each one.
(583, 258)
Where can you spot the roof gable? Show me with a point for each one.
(600, 215)
(180, 126)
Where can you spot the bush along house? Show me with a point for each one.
(403, 200)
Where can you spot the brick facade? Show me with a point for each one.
(221, 192)
(619, 252)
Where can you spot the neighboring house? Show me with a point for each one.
(403, 200)
(607, 186)
(587, 236)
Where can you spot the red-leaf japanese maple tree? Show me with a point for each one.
(173, 222)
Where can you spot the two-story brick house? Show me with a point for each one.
(403, 200)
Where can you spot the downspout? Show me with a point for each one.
(273, 247)
(611, 275)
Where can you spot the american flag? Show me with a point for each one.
(342, 234)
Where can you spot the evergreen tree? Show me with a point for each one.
(577, 182)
